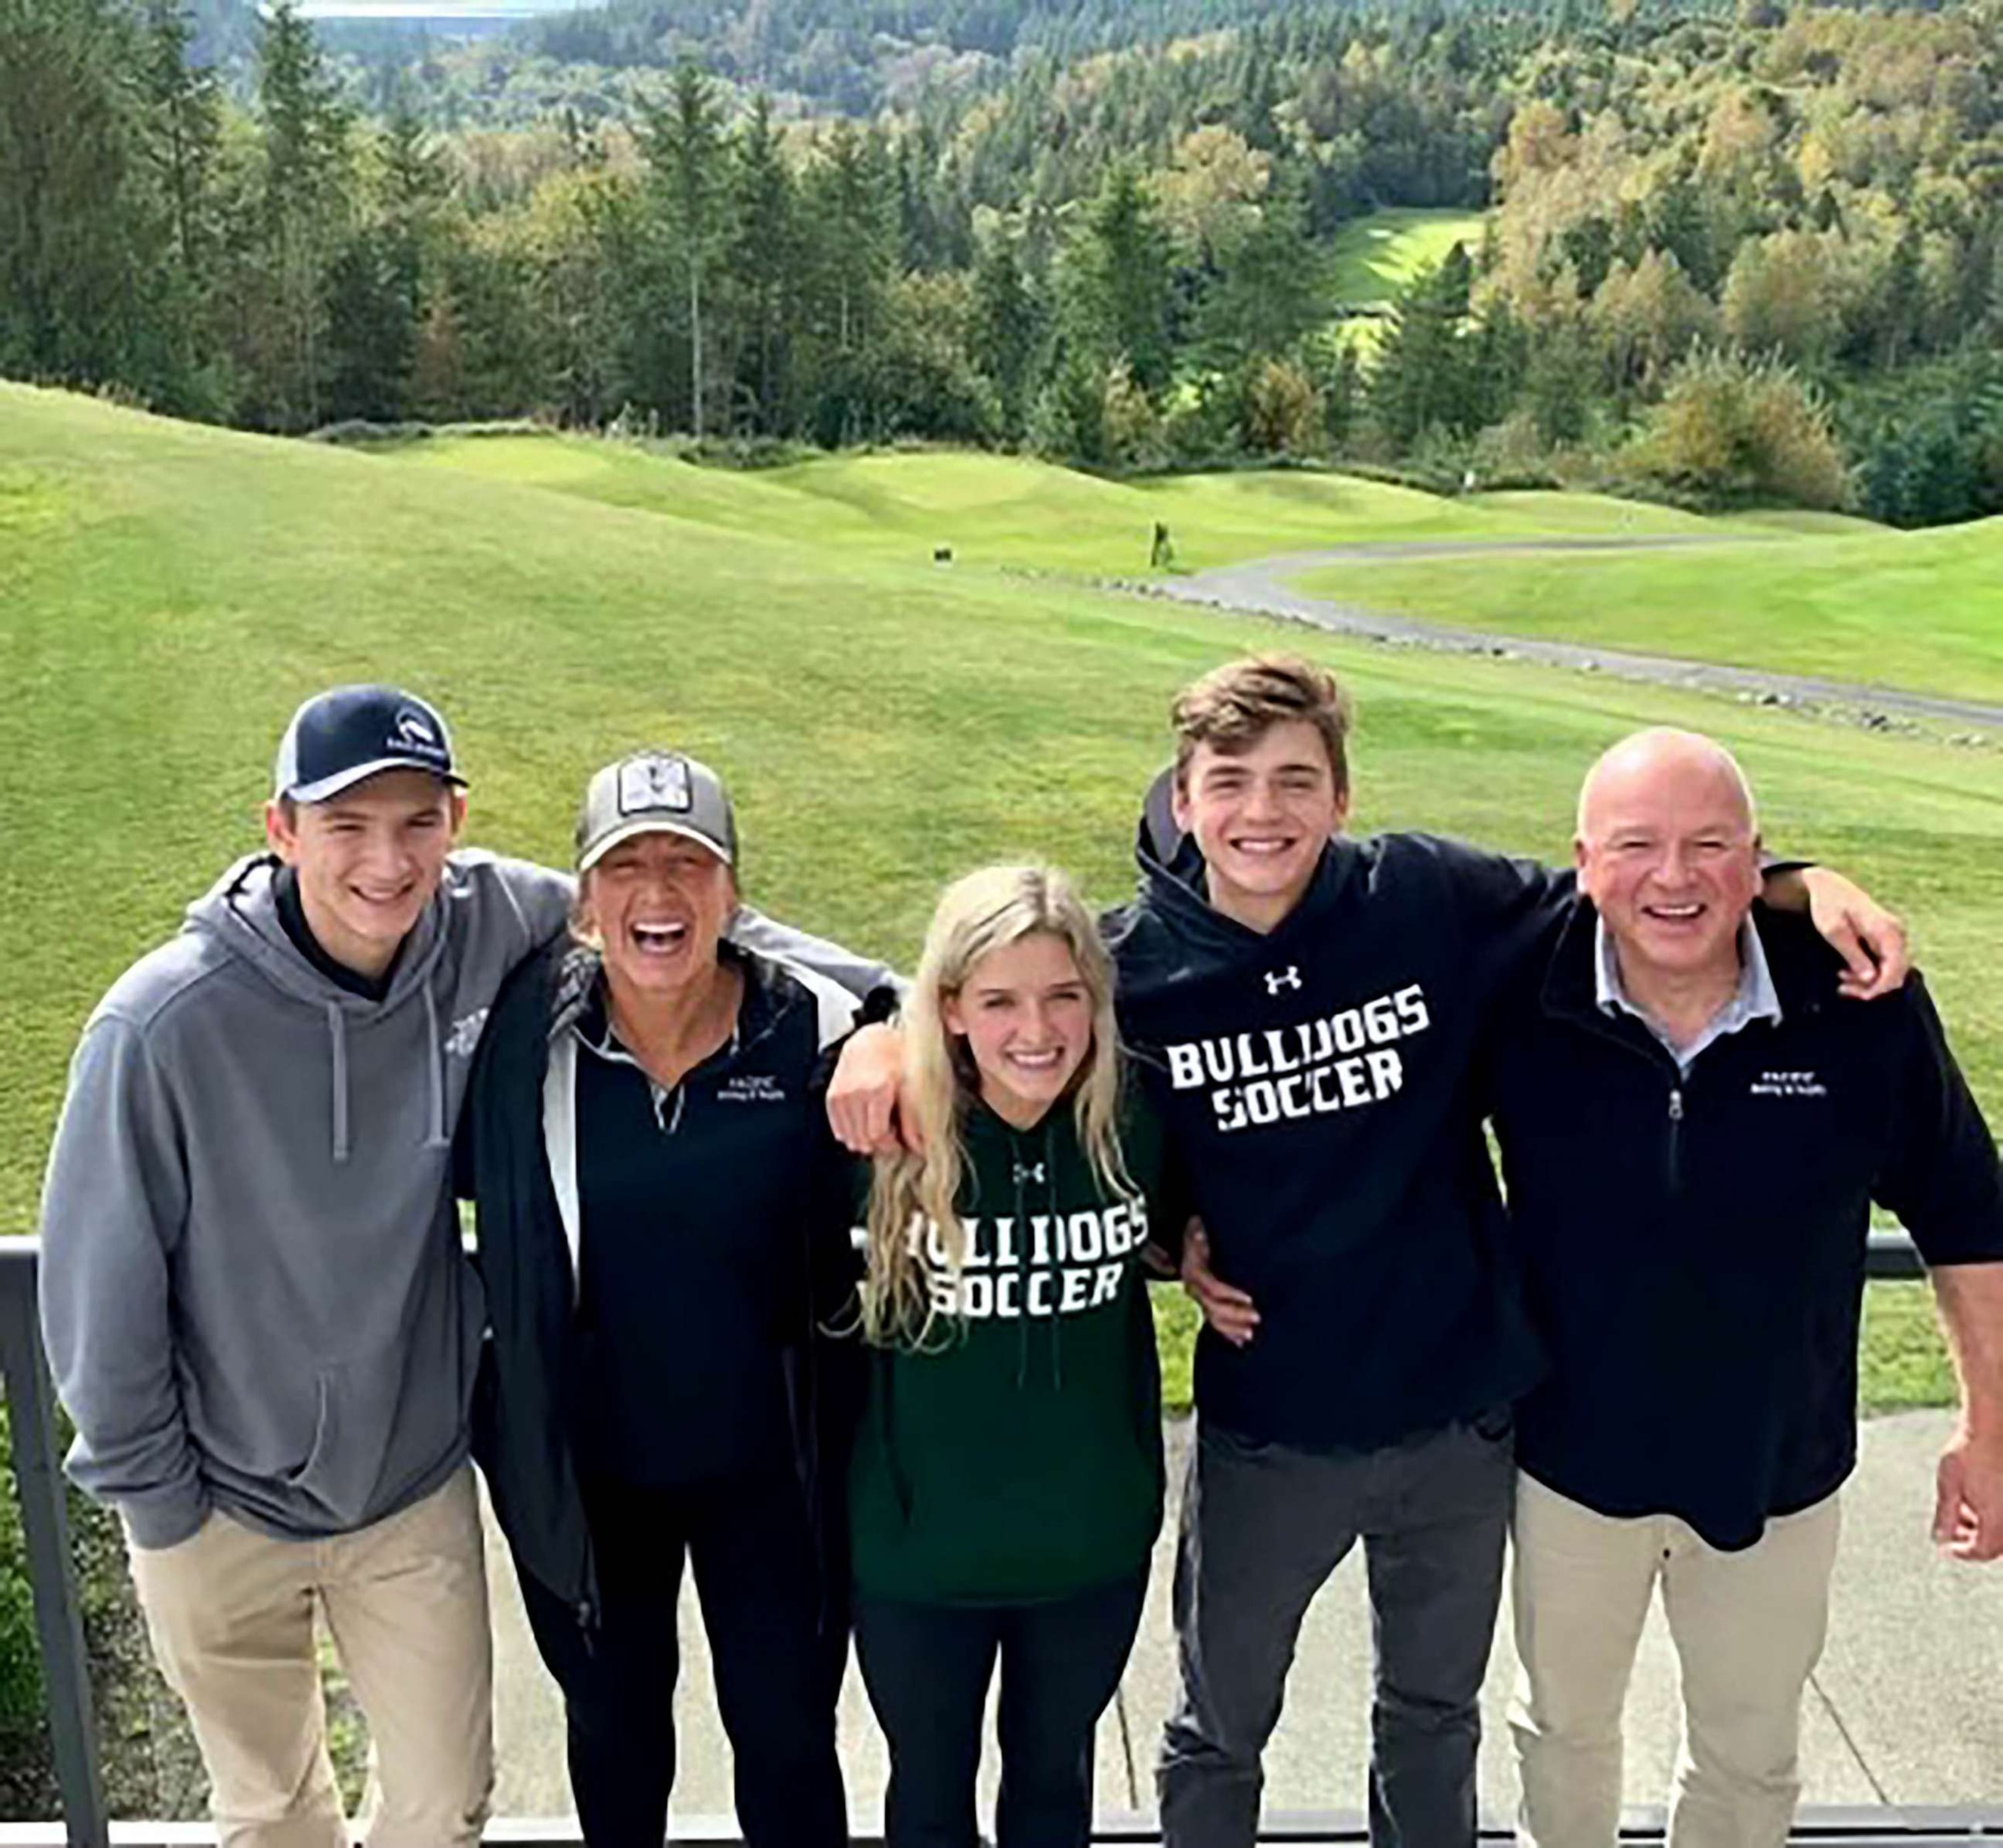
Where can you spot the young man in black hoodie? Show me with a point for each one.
(1309, 1007)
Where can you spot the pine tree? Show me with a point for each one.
(761, 261)
(1007, 328)
(78, 235)
(1116, 282)
(683, 145)
(185, 113)
(306, 129)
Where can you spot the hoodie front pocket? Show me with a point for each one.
(308, 1476)
(373, 1439)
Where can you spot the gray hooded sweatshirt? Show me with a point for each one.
(253, 1295)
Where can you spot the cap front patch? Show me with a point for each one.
(415, 732)
(648, 784)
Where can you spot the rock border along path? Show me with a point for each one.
(1264, 587)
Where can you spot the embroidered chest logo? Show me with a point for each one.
(1788, 1084)
(752, 1088)
(465, 1035)
(1289, 977)
(1031, 1171)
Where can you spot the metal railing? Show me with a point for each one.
(86, 1820)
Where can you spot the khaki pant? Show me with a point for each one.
(1748, 1627)
(231, 1614)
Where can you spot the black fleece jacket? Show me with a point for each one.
(1694, 1245)
(758, 1106)
(1318, 1083)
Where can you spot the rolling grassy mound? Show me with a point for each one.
(170, 592)
(1004, 510)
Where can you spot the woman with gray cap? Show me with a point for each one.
(662, 1229)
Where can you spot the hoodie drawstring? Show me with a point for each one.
(1057, 1322)
(1020, 1171)
(336, 1028)
(437, 1138)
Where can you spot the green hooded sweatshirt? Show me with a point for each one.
(1018, 1457)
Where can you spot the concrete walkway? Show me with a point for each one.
(1907, 1706)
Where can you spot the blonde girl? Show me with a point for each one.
(1007, 1482)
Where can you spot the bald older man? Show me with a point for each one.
(1693, 1128)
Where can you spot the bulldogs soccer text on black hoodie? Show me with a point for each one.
(1317, 1083)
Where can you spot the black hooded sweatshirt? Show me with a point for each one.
(1317, 1083)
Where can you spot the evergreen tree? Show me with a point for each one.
(80, 238)
(1269, 292)
(851, 214)
(1115, 288)
(683, 145)
(763, 255)
(184, 124)
(305, 172)
(1007, 328)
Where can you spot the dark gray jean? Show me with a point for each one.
(1262, 1529)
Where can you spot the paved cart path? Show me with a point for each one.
(1266, 587)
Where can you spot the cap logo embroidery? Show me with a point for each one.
(1289, 977)
(651, 783)
(414, 731)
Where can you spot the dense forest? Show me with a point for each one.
(1723, 257)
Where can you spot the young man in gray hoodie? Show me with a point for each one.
(253, 1296)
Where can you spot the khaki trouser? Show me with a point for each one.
(1748, 1627)
(231, 1614)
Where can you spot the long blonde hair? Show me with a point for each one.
(984, 912)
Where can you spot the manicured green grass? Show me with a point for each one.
(171, 591)
(1371, 261)
(1012, 511)
(1905, 1363)
(1914, 610)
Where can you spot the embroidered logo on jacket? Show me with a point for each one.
(752, 1088)
(460, 1042)
(1289, 977)
(1788, 1084)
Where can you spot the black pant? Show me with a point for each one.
(778, 1667)
(927, 1667)
(1263, 1527)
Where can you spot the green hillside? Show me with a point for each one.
(172, 591)
(1917, 610)
(1374, 259)
(1017, 511)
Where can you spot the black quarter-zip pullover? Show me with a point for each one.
(1692, 1243)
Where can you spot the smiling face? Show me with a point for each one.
(1261, 816)
(369, 860)
(1668, 852)
(657, 903)
(1026, 1013)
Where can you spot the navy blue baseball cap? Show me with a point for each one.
(337, 738)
